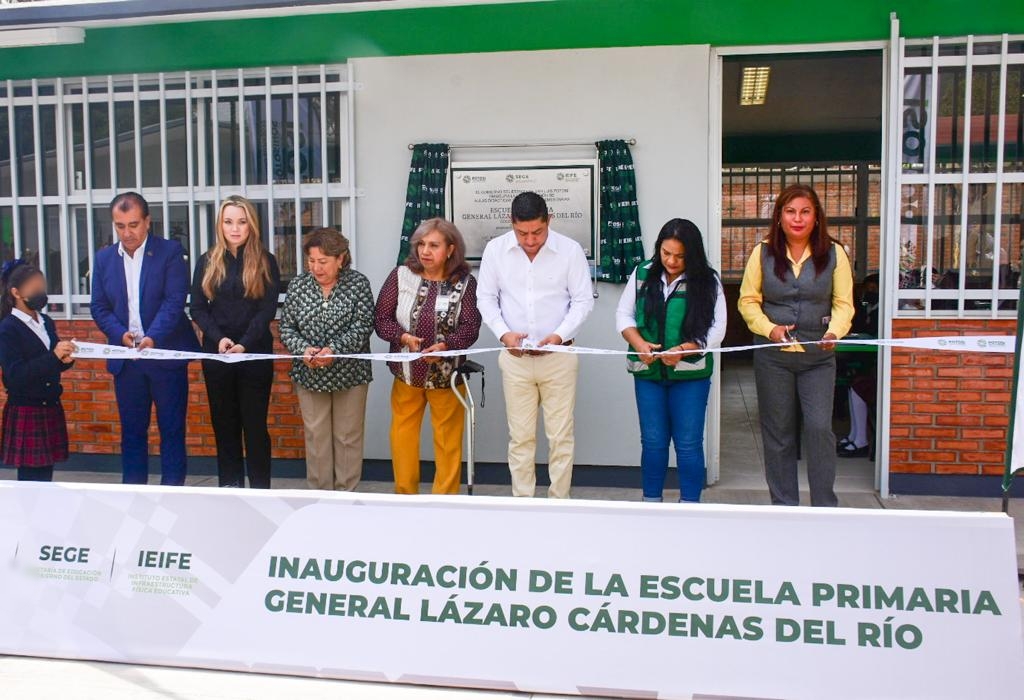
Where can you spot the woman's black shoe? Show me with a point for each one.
(851, 451)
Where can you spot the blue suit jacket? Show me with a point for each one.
(163, 291)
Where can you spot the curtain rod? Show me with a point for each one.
(631, 142)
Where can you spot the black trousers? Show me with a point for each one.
(239, 395)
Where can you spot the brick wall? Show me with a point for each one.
(94, 427)
(949, 409)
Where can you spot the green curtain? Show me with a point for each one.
(424, 197)
(622, 248)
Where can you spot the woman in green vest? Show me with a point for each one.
(671, 311)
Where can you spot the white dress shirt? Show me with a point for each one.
(35, 325)
(625, 312)
(550, 294)
(133, 281)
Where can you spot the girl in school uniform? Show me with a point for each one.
(34, 434)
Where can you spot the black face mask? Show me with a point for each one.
(870, 298)
(36, 302)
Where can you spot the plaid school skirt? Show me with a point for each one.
(34, 436)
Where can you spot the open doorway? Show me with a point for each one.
(814, 118)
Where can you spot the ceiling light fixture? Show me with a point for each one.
(754, 85)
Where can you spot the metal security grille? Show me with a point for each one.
(960, 184)
(281, 136)
(850, 194)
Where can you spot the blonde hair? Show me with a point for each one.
(255, 269)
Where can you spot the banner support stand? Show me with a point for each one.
(1009, 471)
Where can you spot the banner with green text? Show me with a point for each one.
(577, 597)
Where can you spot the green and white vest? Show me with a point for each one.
(666, 332)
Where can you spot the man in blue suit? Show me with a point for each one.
(139, 289)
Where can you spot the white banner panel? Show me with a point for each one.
(1017, 439)
(633, 599)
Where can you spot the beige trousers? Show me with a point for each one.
(547, 382)
(334, 423)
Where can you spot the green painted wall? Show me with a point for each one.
(560, 24)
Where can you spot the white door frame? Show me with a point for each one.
(714, 418)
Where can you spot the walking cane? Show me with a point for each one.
(463, 371)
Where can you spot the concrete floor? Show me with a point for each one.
(741, 482)
(740, 451)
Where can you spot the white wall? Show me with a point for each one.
(657, 95)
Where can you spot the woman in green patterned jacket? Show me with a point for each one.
(329, 310)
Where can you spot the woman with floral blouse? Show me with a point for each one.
(428, 305)
(328, 311)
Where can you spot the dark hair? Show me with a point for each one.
(529, 206)
(820, 243)
(330, 241)
(15, 273)
(455, 267)
(126, 200)
(701, 280)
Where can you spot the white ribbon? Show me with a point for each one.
(955, 343)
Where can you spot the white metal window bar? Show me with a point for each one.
(941, 280)
(304, 143)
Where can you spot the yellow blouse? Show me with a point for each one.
(842, 294)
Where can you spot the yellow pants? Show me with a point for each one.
(446, 418)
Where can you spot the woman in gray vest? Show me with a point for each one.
(797, 288)
(674, 304)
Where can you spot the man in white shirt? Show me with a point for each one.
(132, 258)
(534, 290)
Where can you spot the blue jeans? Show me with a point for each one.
(672, 411)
